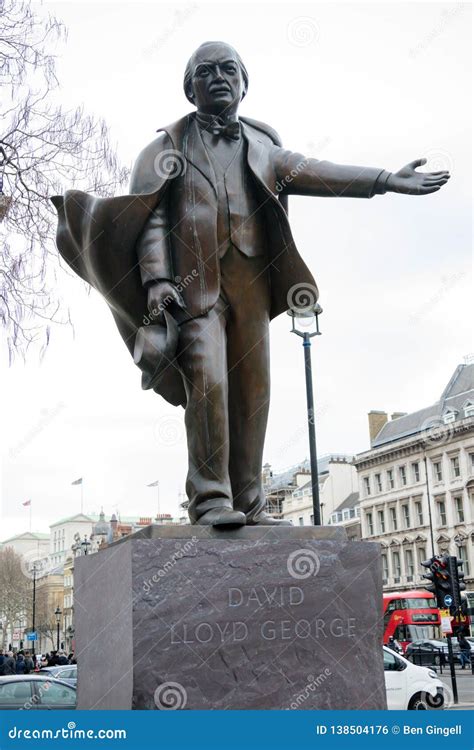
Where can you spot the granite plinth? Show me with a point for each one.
(188, 617)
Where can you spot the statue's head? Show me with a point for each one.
(215, 79)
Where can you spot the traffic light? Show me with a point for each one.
(446, 581)
(438, 576)
(457, 583)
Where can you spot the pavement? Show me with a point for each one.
(465, 685)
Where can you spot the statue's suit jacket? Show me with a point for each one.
(180, 240)
(99, 237)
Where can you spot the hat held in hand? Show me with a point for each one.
(155, 349)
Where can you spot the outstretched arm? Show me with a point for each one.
(300, 175)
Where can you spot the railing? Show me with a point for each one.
(436, 658)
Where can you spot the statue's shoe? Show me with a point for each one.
(263, 519)
(222, 517)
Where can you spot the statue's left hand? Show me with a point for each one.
(410, 182)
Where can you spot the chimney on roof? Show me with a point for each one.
(377, 419)
(397, 414)
(267, 473)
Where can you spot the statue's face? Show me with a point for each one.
(217, 80)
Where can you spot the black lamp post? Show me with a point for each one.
(305, 323)
(34, 571)
(85, 545)
(58, 614)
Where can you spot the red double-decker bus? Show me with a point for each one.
(410, 616)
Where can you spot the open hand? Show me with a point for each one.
(160, 296)
(410, 182)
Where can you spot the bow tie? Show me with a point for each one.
(216, 126)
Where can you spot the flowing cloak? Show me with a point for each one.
(97, 238)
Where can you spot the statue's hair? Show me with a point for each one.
(188, 73)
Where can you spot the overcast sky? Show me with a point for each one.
(360, 83)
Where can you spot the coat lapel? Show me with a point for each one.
(259, 158)
(187, 139)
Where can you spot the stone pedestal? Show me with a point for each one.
(187, 617)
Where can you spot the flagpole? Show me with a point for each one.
(81, 482)
(157, 485)
(31, 507)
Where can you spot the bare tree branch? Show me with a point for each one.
(43, 148)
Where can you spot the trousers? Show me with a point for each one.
(224, 361)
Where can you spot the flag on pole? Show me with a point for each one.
(27, 503)
(154, 484)
(78, 481)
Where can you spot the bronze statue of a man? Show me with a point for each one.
(199, 258)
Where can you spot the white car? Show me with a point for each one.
(409, 686)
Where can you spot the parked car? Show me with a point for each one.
(66, 673)
(409, 686)
(35, 691)
(429, 652)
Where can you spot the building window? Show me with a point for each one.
(370, 524)
(406, 516)
(416, 471)
(397, 571)
(441, 512)
(449, 417)
(403, 475)
(393, 518)
(419, 512)
(378, 482)
(381, 516)
(390, 479)
(367, 486)
(437, 471)
(455, 469)
(469, 409)
(300, 521)
(459, 505)
(462, 556)
(471, 456)
(421, 555)
(311, 518)
(410, 568)
(385, 568)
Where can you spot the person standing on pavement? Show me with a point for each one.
(465, 650)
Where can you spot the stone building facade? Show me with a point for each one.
(416, 484)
